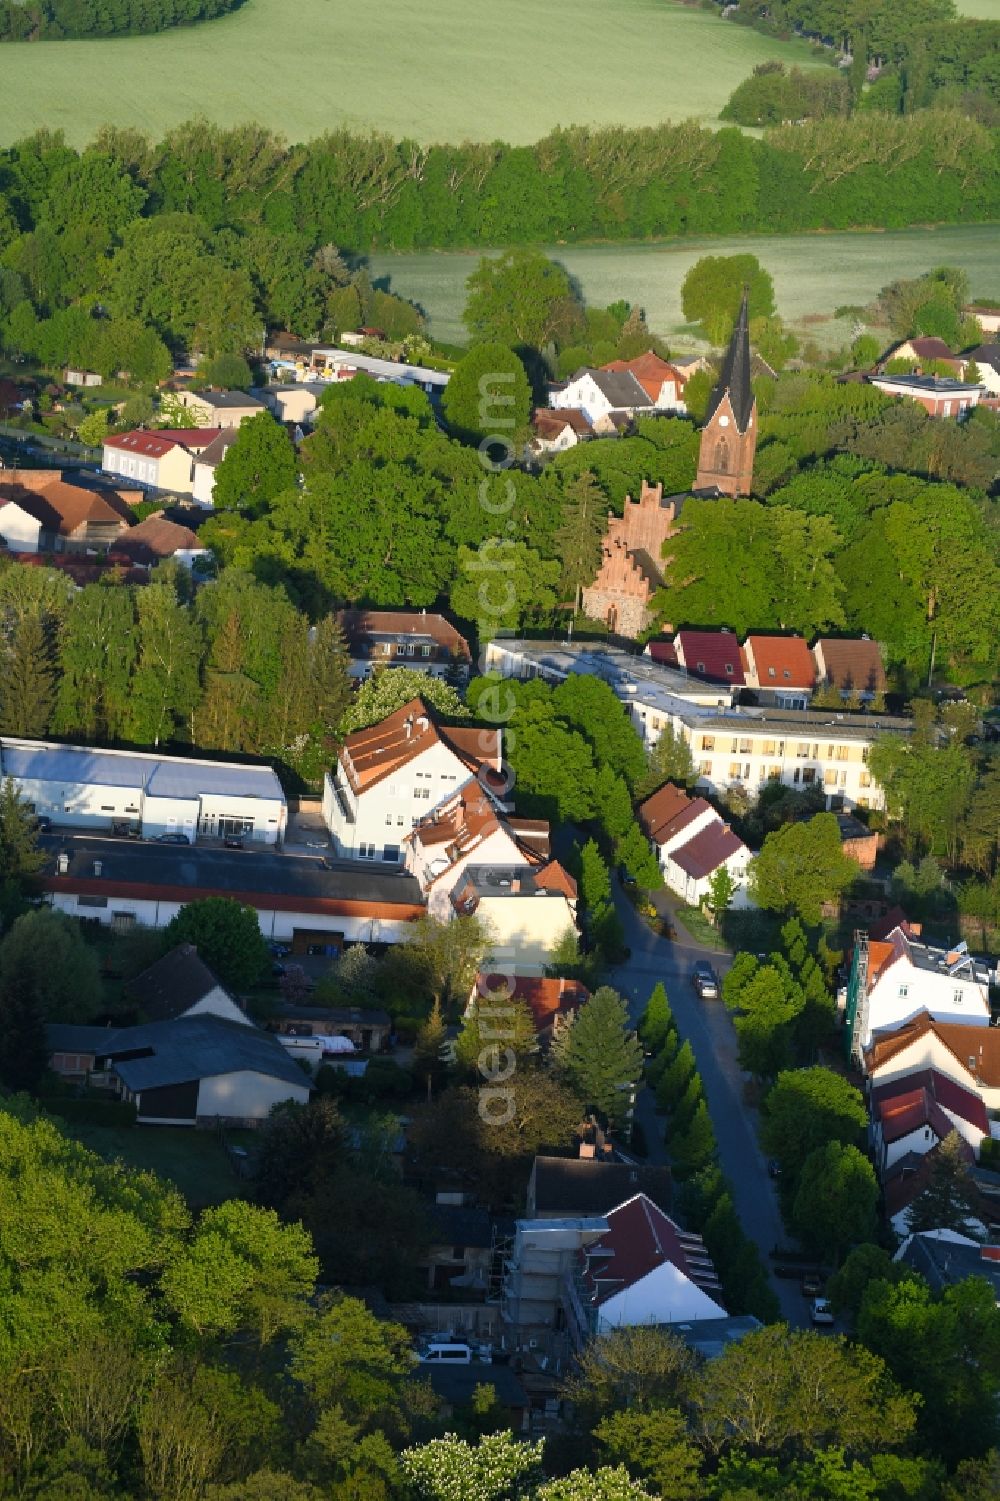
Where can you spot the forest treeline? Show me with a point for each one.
(49, 20)
(614, 183)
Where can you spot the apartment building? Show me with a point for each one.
(896, 977)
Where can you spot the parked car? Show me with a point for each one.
(43, 822)
(812, 1285)
(625, 876)
(172, 839)
(233, 842)
(705, 981)
(821, 1312)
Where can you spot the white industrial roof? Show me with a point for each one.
(159, 776)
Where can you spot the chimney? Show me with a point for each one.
(408, 726)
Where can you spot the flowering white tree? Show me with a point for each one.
(498, 1468)
(605, 1484)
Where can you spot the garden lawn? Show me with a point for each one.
(445, 70)
(195, 1160)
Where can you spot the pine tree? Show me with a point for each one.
(428, 1050)
(670, 760)
(949, 1201)
(165, 685)
(694, 1148)
(20, 857)
(495, 1022)
(635, 854)
(23, 1051)
(611, 796)
(683, 1112)
(603, 1056)
(657, 1067)
(657, 1020)
(578, 537)
(675, 1079)
(28, 679)
(329, 676)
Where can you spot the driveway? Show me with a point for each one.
(708, 1028)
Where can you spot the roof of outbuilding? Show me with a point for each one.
(159, 776)
(178, 1052)
(174, 983)
(156, 538)
(228, 400)
(546, 998)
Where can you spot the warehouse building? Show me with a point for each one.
(131, 792)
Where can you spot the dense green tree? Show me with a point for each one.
(583, 520)
(950, 1201)
(654, 1443)
(801, 866)
(713, 288)
(590, 706)
(631, 1369)
(45, 949)
(226, 935)
(603, 1057)
(836, 1199)
(670, 760)
(488, 398)
(494, 1026)
(657, 1021)
(24, 1053)
(440, 960)
(692, 1148)
(501, 584)
(28, 678)
(387, 690)
(165, 687)
(521, 299)
(228, 371)
(97, 651)
(259, 465)
(806, 1108)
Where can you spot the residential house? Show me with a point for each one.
(907, 1179)
(299, 900)
(939, 395)
(468, 829)
(196, 1070)
(580, 1187)
(181, 984)
(158, 460)
(970, 1056)
(527, 911)
(851, 666)
(631, 562)
(858, 842)
(460, 1256)
(156, 538)
(214, 408)
(555, 431)
(85, 378)
(894, 979)
(59, 517)
(944, 1258)
(404, 638)
(389, 776)
(207, 462)
(780, 670)
(662, 381)
(987, 315)
(553, 1002)
(692, 842)
(729, 432)
(987, 360)
(922, 351)
(912, 1114)
(715, 656)
(605, 397)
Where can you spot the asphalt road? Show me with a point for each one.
(708, 1028)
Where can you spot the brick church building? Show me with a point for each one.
(631, 568)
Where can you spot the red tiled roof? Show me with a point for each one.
(650, 371)
(554, 877)
(63, 508)
(156, 537)
(668, 811)
(370, 755)
(713, 655)
(781, 661)
(640, 1238)
(663, 652)
(154, 443)
(710, 848)
(981, 1045)
(894, 918)
(938, 1092)
(546, 998)
(549, 421)
(904, 1182)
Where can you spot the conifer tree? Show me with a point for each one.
(694, 1148)
(949, 1201)
(603, 1056)
(683, 1112)
(28, 679)
(24, 1055)
(675, 1079)
(578, 537)
(657, 1020)
(428, 1050)
(614, 805)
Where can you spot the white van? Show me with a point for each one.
(445, 1352)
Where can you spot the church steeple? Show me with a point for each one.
(729, 435)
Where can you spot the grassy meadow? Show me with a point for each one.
(813, 274)
(444, 70)
(983, 10)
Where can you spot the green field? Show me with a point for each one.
(986, 10)
(194, 1160)
(813, 274)
(443, 70)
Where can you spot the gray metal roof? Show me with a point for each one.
(193, 1047)
(160, 776)
(620, 387)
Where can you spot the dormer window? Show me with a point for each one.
(729, 669)
(771, 672)
(904, 991)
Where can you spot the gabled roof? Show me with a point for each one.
(712, 655)
(640, 1238)
(154, 443)
(213, 455)
(664, 652)
(361, 626)
(985, 354)
(555, 877)
(155, 538)
(570, 1186)
(852, 665)
(370, 755)
(173, 984)
(711, 847)
(782, 661)
(734, 378)
(650, 371)
(927, 1094)
(668, 811)
(620, 388)
(182, 1051)
(928, 347)
(975, 1049)
(549, 422)
(546, 998)
(228, 400)
(944, 1258)
(59, 507)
